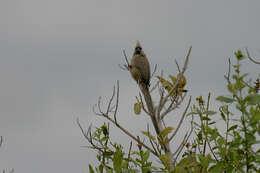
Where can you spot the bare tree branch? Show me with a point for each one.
(125, 66)
(171, 107)
(110, 101)
(154, 87)
(114, 120)
(179, 70)
(148, 131)
(181, 120)
(126, 59)
(88, 136)
(207, 108)
(129, 153)
(117, 100)
(180, 148)
(130, 135)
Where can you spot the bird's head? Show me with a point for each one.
(138, 48)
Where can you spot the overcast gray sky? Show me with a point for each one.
(58, 56)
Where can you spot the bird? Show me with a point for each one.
(139, 66)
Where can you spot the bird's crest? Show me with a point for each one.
(138, 44)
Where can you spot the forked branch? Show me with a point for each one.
(111, 115)
(175, 88)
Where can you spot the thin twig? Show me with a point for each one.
(181, 120)
(211, 150)
(185, 139)
(207, 108)
(250, 58)
(124, 67)
(229, 68)
(172, 107)
(110, 101)
(130, 135)
(99, 102)
(129, 154)
(127, 65)
(88, 136)
(117, 101)
(155, 85)
(177, 65)
(155, 68)
(81, 128)
(148, 130)
(114, 121)
(126, 58)
(181, 146)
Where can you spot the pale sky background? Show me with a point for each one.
(58, 56)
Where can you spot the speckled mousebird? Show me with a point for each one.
(139, 66)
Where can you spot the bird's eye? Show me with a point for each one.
(138, 48)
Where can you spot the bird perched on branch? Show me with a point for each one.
(139, 66)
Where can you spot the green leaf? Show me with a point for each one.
(230, 87)
(225, 99)
(209, 112)
(239, 55)
(165, 160)
(223, 116)
(146, 156)
(173, 78)
(253, 99)
(165, 83)
(192, 113)
(212, 122)
(256, 116)
(205, 118)
(108, 153)
(166, 131)
(91, 170)
(148, 135)
(220, 141)
(219, 167)
(118, 159)
(104, 129)
(204, 160)
(137, 108)
(232, 128)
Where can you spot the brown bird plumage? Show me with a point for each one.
(139, 66)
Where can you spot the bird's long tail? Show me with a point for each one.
(149, 103)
